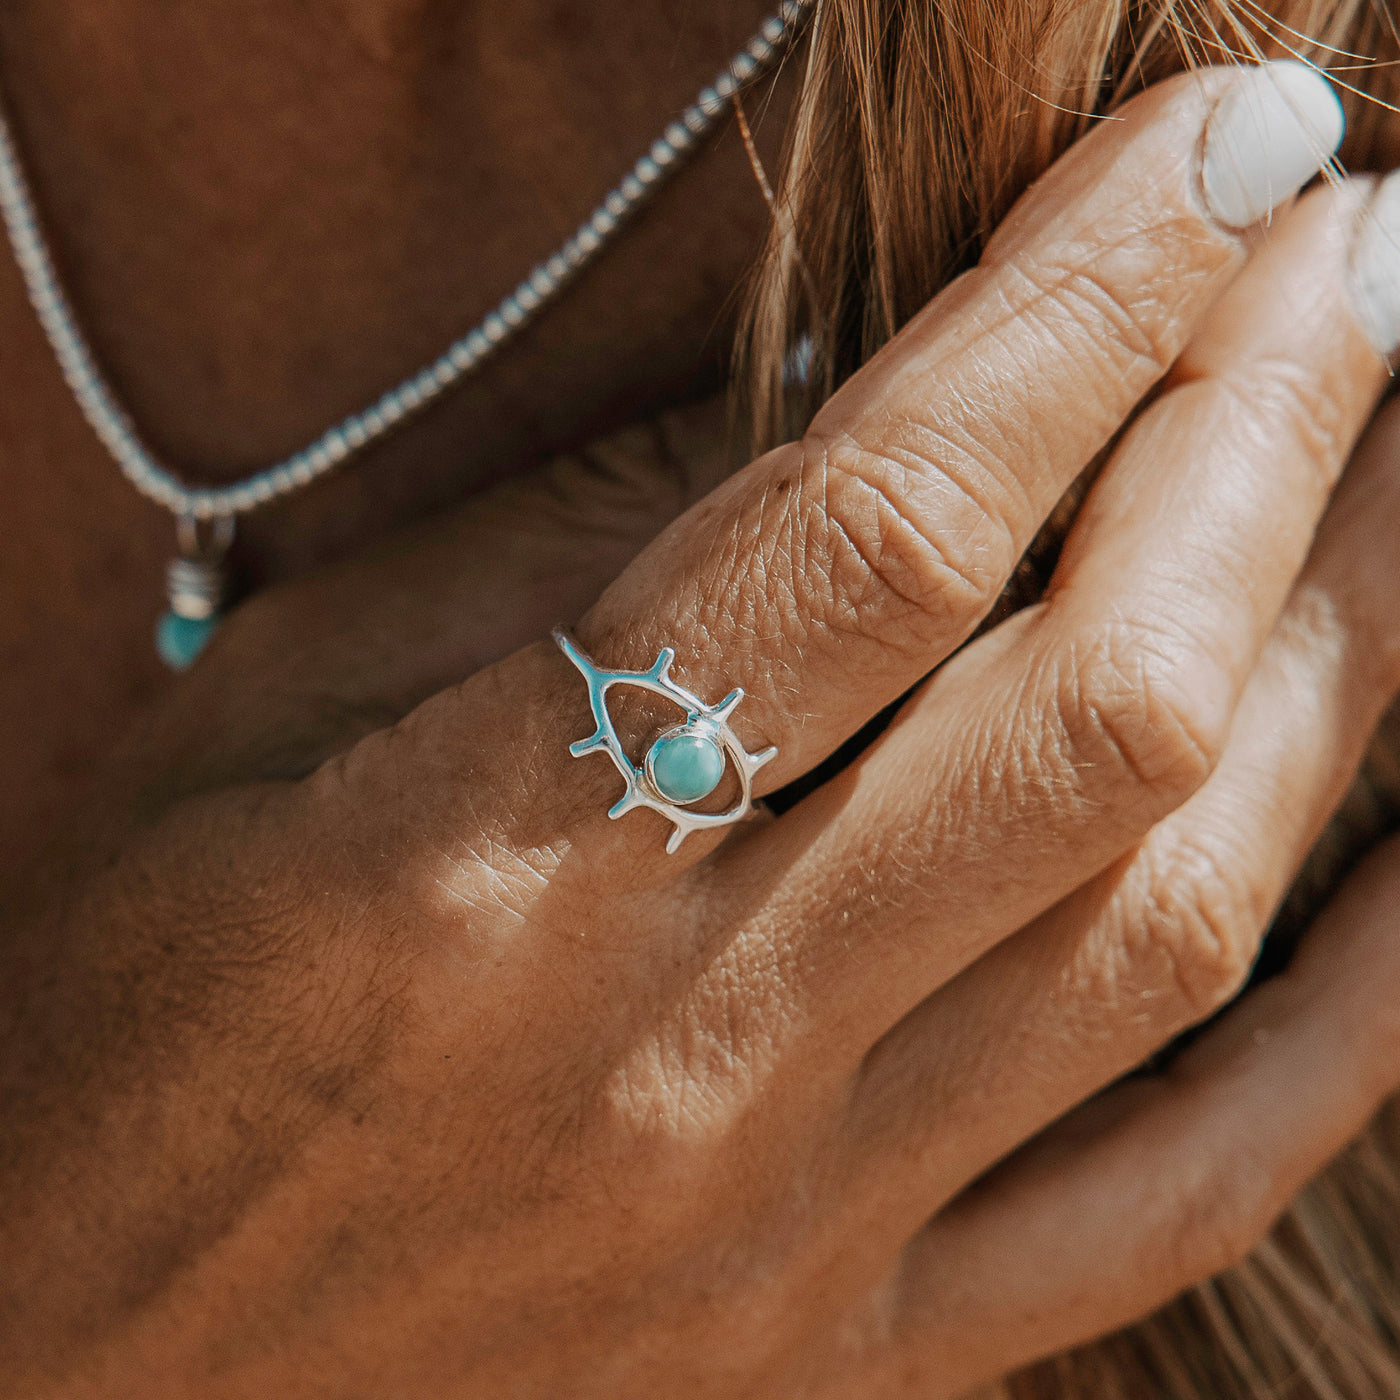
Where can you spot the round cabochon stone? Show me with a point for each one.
(686, 767)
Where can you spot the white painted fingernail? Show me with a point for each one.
(1375, 268)
(1274, 129)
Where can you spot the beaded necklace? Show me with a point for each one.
(196, 578)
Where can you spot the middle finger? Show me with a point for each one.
(1050, 747)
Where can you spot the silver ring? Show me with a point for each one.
(685, 762)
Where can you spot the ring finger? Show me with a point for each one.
(1167, 935)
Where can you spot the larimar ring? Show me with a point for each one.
(685, 763)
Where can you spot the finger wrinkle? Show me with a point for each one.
(943, 578)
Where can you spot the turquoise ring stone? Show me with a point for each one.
(685, 766)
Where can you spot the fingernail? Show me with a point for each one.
(1375, 268)
(1272, 131)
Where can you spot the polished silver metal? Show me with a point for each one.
(196, 580)
(708, 721)
(156, 480)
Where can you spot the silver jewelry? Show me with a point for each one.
(685, 762)
(222, 504)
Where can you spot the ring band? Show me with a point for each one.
(685, 762)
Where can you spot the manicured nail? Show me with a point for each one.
(1375, 268)
(1272, 131)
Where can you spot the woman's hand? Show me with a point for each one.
(384, 1063)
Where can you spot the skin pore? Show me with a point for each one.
(266, 214)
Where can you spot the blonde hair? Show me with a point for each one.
(918, 124)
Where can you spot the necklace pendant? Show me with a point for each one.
(196, 585)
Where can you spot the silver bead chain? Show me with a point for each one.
(114, 427)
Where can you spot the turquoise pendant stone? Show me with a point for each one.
(685, 767)
(180, 639)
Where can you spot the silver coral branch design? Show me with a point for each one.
(701, 720)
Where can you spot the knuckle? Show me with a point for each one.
(674, 1093)
(1280, 403)
(1143, 704)
(1200, 925)
(1116, 300)
(691, 1082)
(652, 1098)
(909, 548)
